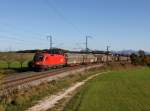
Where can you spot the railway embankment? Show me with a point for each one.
(21, 82)
(20, 100)
(49, 102)
(14, 100)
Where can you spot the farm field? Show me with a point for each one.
(11, 62)
(115, 91)
(14, 59)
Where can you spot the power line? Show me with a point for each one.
(38, 34)
(13, 38)
(17, 39)
(33, 37)
(58, 12)
(63, 17)
(16, 42)
(17, 45)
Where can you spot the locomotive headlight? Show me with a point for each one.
(61, 60)
(37, 63)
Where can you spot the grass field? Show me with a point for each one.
(14, 64)
(115, 91)
(15, 60)
(21, 100)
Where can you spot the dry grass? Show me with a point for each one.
(14, 60)
(21, 100)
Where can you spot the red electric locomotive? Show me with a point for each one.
(57, 57)
(48, 59)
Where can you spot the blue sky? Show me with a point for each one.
(122, 24)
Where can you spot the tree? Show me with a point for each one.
(141, 55)
(8, 57)
(1, 55)
(21, 58)
(139, 58)
(134, 58)
(147, 60)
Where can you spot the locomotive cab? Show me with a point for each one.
(50, 58)
(56, 51)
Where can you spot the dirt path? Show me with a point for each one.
(49, 102)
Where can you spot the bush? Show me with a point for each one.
(21, 99)
(139, 58)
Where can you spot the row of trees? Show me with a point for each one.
(10, 57)
(140, 58)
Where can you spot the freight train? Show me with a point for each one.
(57, 57)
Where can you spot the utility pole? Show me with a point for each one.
(107, 53)
(86, 43)
(50, 41)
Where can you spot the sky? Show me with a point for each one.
(121, 24)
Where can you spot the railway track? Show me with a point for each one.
(28, 75)
(9, 84)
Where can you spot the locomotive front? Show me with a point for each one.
(38, 61)
(49, 59)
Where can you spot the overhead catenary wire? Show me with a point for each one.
(12, 44)
(16, 45)
(17, 39)
(33, 37)
(61, 16)
(66, 20)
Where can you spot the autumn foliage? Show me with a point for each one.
(140, 58)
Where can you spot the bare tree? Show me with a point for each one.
(21, 58)
(8, 57)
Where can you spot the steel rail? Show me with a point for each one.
(14, 83)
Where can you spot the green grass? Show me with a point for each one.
(115, 91)
(14, 65)
(15, 62)
(21, 100)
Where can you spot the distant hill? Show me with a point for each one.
(125, 52)
(122, 52)
(128, 52)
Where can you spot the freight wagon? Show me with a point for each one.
(56, 57)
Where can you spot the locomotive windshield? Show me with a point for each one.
(56, 51)
(38, 57)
